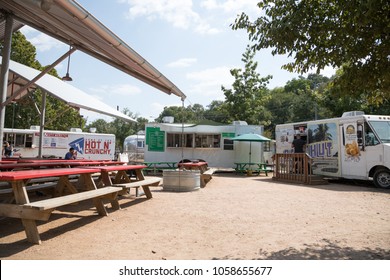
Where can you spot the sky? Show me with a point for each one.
(190, 42)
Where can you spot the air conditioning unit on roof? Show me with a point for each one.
(352, 113)
(240, 123)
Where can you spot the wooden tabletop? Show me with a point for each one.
(116, 167)
(42, 173)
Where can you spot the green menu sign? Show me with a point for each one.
(228, 134)
(155, 139)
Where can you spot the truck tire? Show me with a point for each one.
(382, 178)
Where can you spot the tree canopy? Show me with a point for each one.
(246, 99)
(351, 35)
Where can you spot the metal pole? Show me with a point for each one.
(5, 70)
(42, 124)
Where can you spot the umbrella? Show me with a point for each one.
(251, 137)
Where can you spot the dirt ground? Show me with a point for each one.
(233, 217)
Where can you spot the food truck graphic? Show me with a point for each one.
(354, 146)
(95, 146)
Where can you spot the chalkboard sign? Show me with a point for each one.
(155, 139)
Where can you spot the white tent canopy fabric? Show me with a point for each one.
(20, 75)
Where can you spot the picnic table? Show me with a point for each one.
(201, 166)
(29, 212)
(249, 167)
(159, 166)
(122, 179)
(205, 172)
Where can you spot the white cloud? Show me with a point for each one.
(230, 6)
(179, 13)
(208, 82)
(120, 89)
(183, 62)
(40, 40)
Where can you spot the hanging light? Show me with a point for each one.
(67, 77)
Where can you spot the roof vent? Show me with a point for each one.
(76, 129)
(240, 123)
(352, 113)
(168, 119)
(35, 127)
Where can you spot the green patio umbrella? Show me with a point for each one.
(251, 137)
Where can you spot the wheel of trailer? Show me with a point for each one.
(382, 178)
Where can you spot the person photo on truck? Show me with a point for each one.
(298, 144)
(7, 149)
(72, 154)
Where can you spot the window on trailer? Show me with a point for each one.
(176, 140)
(207, 140)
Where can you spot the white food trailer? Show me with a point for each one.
(94, 146)
(354, 146)
(212, 143)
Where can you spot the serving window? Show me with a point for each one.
(207, 140)
(179, 140)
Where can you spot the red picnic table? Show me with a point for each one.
(201, 166)
(29, 211)
(37, 164)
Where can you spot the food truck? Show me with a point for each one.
(354, 146)
(95, 146)
(173, 142)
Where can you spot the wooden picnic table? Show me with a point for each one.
(122, 179)
(201, 166)
(249, 167)
(29, 212)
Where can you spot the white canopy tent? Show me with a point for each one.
(20, 75)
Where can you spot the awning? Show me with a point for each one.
(19, 75)
(71, 24)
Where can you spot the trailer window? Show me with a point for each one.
(228, 144)
(207, 140)
(140, 144)
(19, 140)
(176, 140)
(267, 146)
(29, 140)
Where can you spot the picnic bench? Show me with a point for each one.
(29, 212)
(121, 178)
(159, 166)
(251, 167)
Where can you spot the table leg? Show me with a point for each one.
(30, 226)
(106, 179)
(98, 202)
(140, 176)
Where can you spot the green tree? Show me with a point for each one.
(335, 102)
(352, 35)
(217, 111)
(247, 98)
(190, 114)
(119, 127)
